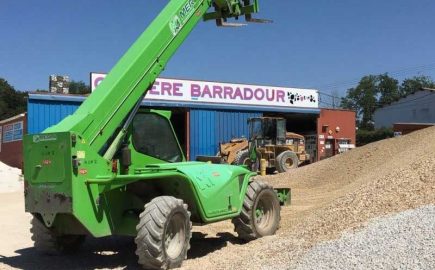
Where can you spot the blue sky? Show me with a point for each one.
(325, 44)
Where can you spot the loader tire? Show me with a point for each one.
(260, 214)
(163, 233)
(286, 161)
(242, 158)
(48, 242)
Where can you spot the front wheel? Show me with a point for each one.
(286, 161)
(243, 158)
(260, 214)
(163, 233)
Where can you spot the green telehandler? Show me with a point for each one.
(115, 168)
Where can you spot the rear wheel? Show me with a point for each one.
(286, 161)
(48, 242)
(242, 158)
(260, 214)
(163, 233)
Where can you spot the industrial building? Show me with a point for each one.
(11, 136)
(204, 114)
(207, 113)
(336, 131)
(414, 110)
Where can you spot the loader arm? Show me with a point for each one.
(99, 119)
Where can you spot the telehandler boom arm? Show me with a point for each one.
(99, 119)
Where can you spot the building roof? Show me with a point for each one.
(419, 90)
(13, 118)
(416, 124)
(337, 109)
(398, 101)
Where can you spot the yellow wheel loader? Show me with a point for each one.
(270, 141)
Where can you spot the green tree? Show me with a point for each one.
(374, 91)
(12, 102)
(388, 89)
(363, 100)
(79, 88)
(411, 85)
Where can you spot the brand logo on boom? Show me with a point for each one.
(179, 19)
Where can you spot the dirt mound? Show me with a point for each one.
(333, 196)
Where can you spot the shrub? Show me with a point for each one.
(364, 137)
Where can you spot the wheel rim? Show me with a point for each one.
(175, 236)
(289, 162)
(264, 212)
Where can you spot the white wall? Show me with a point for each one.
(416, 108)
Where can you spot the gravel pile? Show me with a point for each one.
(402, 241)
(354, 197)
(330, 197)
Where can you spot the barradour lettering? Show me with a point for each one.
(237, 93)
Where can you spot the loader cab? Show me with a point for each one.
(267, 130)
(295, 141)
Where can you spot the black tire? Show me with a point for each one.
(223, 158)
(48, 242)
(163, 233)
(286, 161)
(242, 158)
(260, 214)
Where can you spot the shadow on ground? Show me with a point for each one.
(111, 253)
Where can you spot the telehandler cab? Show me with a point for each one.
(114, 168)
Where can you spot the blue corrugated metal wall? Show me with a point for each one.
(209, 127)
(42, 114)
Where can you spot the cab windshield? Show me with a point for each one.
(153, 136)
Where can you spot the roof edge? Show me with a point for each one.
(13, 118)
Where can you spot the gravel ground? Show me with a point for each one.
(401, 241)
